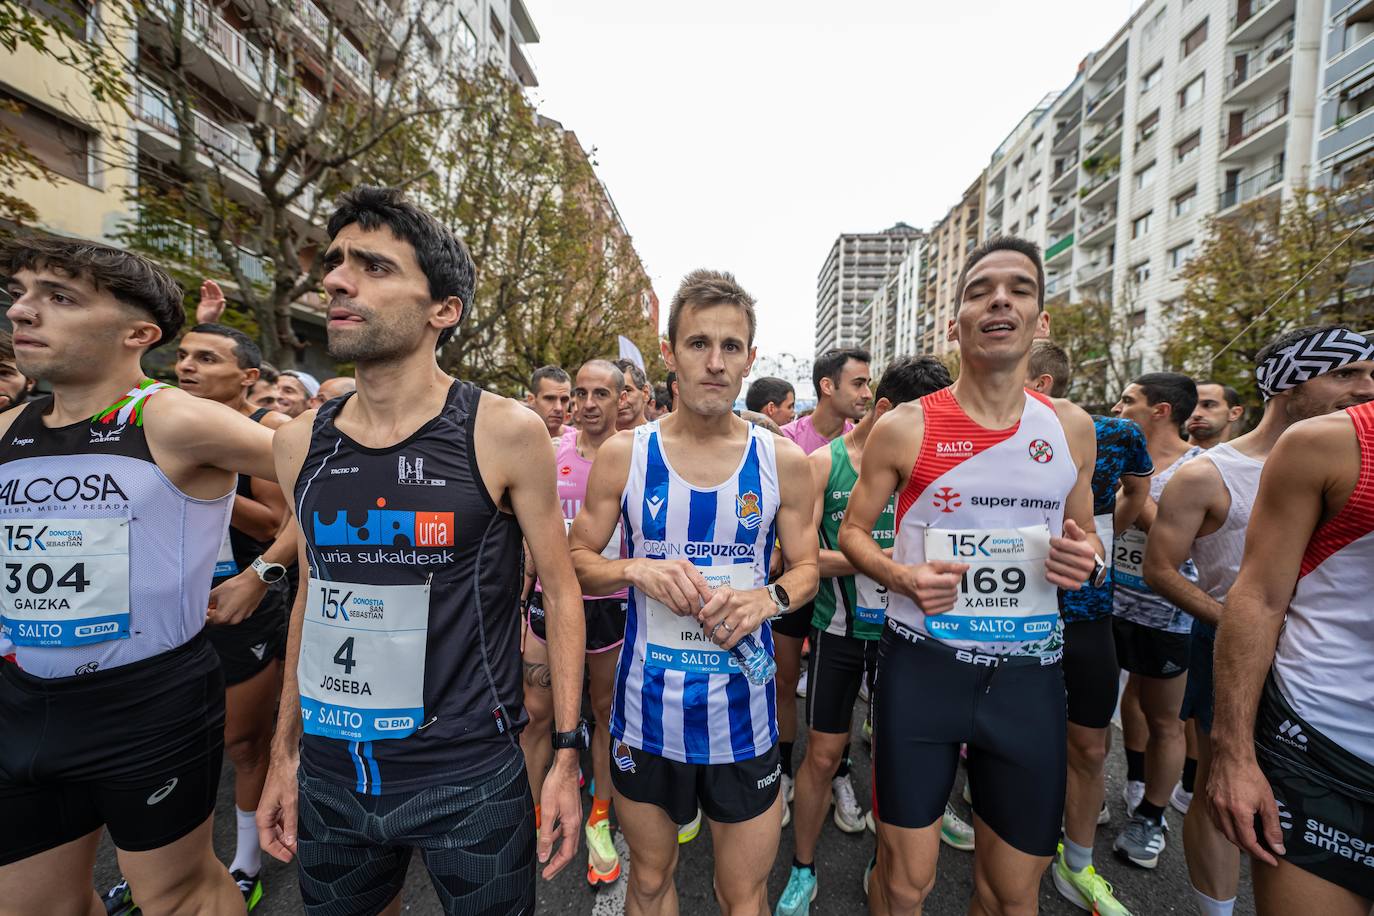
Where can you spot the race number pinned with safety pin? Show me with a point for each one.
(1003, 595)
(362, 662)
(1129, 559)
(65, 581)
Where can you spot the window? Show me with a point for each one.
(467, 38)
(1180, 255)
(1194, 39)
(1152, 28)
(1188, 148)
(1141, 225)
(57, 143)
(1034, 180)
(71, 15)
(1359, 27)
(1145, 177)
(1015, 229)
(1140, 273)
(1356, 98)
(1183, 203)
(1190, 94)
(1136, 321)
(1031, 217)
(1035, 146)
(1015, 198)
(1151, 80)
(1146, 128)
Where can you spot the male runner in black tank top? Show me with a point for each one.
(402, 700)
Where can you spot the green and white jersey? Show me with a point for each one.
(856, 605)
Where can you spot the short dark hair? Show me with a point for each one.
(1172, 388)
(442, 256)
(1004, 243)
(831, 363)
(553, 373)
(1231, 395)
(132, 279)
(709, 287)
(1048, 358)
(635, 373)
(765, 391)
(246, 350)
(663, 398)
(6, 347)
(267, 372)
(911, 378)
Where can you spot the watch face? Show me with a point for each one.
(272, 572)
(782, 595)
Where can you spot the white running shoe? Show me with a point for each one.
(968, 793)
(786, 792)
(1180, 800)
(1104, 816)
(801, 686)
(789, 787)
(849, 817)
(863, 690)
(1132, 793)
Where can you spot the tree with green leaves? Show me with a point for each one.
(1102, 338)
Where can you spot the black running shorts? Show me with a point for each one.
(1149, 652)
(605, 621)
(930, 698)
(1325, 796)
(727, 793)
(247, 647)
(475, 838)
(136, 749)
(1198, 703)
(1091, 675)
(837, 669)
(796, 623)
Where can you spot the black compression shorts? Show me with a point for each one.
(247, 647)
(1149, 652)
(838, 667)
(796, 623)
(1091, 675)
(605, 621)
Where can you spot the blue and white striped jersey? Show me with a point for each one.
(677, 694)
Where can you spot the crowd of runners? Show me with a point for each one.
(404, 606)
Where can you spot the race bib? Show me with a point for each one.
(612, 549)
(679, 643)
(65, 581)
(225, 564)
(1128, 557)
(1003, 596)
(362, 662)
(871, 600)
(1105, 526)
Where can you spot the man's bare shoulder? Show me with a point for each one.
(509, 421)
(275, 419)
(1076, 420)
(1197, 479)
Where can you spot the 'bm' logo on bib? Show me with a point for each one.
(747, 510)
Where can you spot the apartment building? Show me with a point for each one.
(857, 267)
(948, 244)
(892, 317)
(1344, 145)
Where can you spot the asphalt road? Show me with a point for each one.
(841, 860)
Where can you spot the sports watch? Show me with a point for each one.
(579, 739)
(1099, 574)
(268, 572)
(779, 596)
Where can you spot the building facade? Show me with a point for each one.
(856, 269)
(950, 241)
(1344, 146)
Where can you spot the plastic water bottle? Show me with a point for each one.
(754, 660)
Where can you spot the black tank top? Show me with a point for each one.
(395, 516)
(245, 547)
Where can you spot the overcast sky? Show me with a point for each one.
(746, 134)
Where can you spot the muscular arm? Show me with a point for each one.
(1135, 491)
(889, 456)
(1078, 508)
(199, 433)
(831, 563)
(1183, 508)
(595, 523)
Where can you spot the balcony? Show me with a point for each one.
(317, 27)
(1256, 121)
(217, 141)
(181, 244)
(1091, 232)
(1258, 63)
(1057, 286)
(1061, 211)
(1094, 190)
(1063, 134)
(1104, 94)
(1059, 247)
(1094, 273)
(1256, 18)
(1251, 188)
(1109, 130)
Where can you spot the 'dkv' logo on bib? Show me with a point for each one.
(1040, 451)
(747, 510)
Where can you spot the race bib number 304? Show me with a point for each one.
(1003, 596)
(679, 643)
(362, 663)
(65, 581)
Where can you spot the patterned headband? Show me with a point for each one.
(1313, 356)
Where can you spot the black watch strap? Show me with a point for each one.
(578, 739)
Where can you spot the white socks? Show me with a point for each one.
(1077, 857)
(1209, 907)
(247, 854)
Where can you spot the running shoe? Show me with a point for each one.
(119, 900)
(849, 817)
(1142, 841)
(863, 690)
(787, 792)
(686, 833)
(868, 728)
(968, 793)
(603, 862)
(1104, 815)
(1132, 793)
(797, 896)
(1180, 800)
(1086, 889)
(870, 823)
(250, 886)
(955, 832)
(801, 686)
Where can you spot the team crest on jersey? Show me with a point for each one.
(747, 510)
(946, 499)
(1041, 452)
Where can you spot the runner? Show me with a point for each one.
(403, 666)
(1293, 751)
(774, 398)
(1218, 411)
(1203, 513)
(1151, 634)
(14, 386)
(549, 394)
(638, 393)
(263, 392)
(332, 388)
(981, 467)
(846, 624)
(114, 712)
(221, 364)
(295, 389)
(703, 495)
(1091, 672)
(841, 379)
(598, 393)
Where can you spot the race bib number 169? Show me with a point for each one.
(1003, 595)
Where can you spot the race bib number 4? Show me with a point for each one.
(1128, 559)
(65, 581)
(362, 662)
(679, 643)
(1003, 595)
